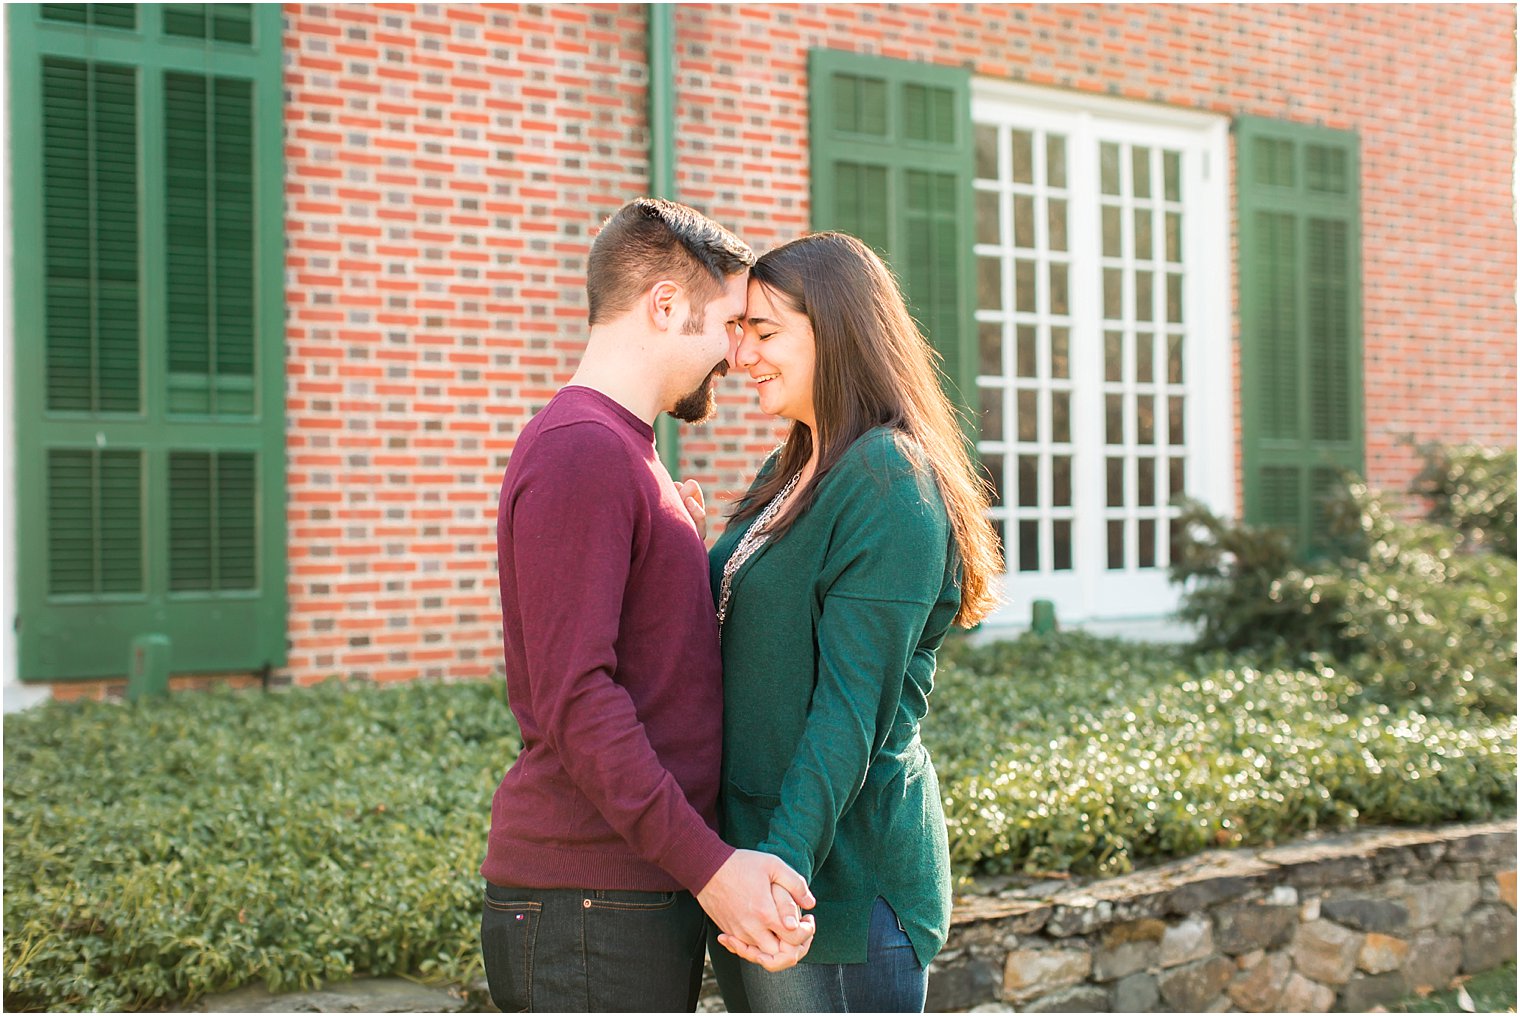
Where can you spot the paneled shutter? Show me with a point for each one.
(212, 511)
(95, 505)
(97, 15)
(149, 388)
(892, 164)
(220, 22)
(209, 197)
(90, 243)
(1300, 320)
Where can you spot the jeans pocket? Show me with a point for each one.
(614, 899)
(508, 930)
(647, 953)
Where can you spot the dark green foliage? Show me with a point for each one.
(1089, 755)
(1412, 609)
(155, 854)
(1472, 489)
(1424, 620)
(1236, 594)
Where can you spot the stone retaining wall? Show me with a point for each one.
(1339, 923)
(1342, 923)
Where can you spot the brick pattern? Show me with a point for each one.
(446, 166)
(116, 690)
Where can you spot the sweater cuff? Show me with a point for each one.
(698, 859)
(794, 859)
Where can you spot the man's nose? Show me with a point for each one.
(735, 350)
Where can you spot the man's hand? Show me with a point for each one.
(755, 900)
(690, 493)
(790, 955)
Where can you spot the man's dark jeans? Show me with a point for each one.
(592, 950)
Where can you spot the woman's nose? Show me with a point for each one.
(743, 356)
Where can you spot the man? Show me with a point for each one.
(602, 855)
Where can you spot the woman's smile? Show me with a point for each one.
(777, 350)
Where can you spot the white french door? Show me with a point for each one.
(1104, 387)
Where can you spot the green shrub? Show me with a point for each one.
(1472, 489)
(1085, 755)
(1409, 608)
(156, 853)
(1423, 620)
(1244, 589)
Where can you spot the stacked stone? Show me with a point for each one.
(1337, 925)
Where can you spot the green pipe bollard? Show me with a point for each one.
(1042, 619)
(148, 670)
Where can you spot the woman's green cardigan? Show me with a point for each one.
(828, 659)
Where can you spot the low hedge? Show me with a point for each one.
(157, 853)
(154, 854)
(1087, 755)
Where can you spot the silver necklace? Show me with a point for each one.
(753, 539)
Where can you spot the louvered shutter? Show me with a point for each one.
(1300, 320)
(99, 15)
(209, 198)
(149, 376)
(219, 22)
(90, 243)
(891, 163)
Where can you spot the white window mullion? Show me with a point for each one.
(1086, 357)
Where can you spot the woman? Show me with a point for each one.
(862, 539)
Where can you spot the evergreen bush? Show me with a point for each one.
(1471, 488)
(1418, 611)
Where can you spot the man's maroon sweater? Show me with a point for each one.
(612, 662)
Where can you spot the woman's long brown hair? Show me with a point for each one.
(873, 369)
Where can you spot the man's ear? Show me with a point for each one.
(661, 301)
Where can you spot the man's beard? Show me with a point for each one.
(701, 403)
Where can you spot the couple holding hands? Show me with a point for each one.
(717, 742)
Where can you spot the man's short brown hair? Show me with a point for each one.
(650, 239)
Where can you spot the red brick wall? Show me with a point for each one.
(447, 165)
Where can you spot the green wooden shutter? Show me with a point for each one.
(221, 22)
(98, 15)
(90, 245)
(1300, 320)
(149, 382)
(212, 515)
(891, 163)
(209, 194)
(95, 507)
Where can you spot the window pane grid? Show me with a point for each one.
(1024, 305)
(1083, 253)
(1144, 428)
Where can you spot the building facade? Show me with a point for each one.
(286, 283)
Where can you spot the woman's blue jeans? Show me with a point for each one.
(890, 980)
